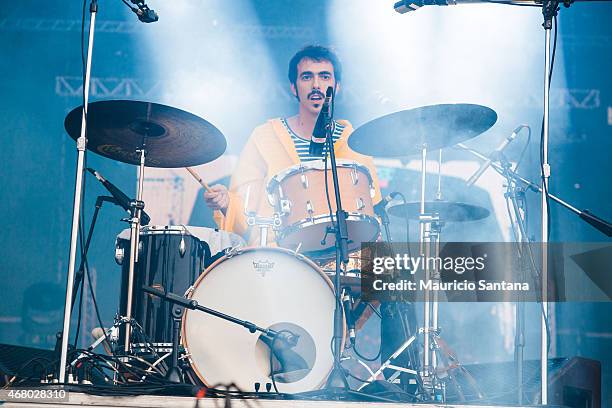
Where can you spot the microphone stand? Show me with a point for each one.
(194, 305)
(337, 378)
(596, 222)
(78, 279)
(603, 226)
(384, 220)
(78, 192)
(80, 273)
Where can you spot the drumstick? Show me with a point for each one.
(199, 179)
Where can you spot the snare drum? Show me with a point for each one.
(273, 288)
(299, 195)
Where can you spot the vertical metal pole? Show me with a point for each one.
(544, 197)
(436, 278)
(78, 191)
(423, 171)
(134, 244)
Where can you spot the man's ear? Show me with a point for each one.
(337, 88)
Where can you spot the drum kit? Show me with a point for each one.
(183, 288)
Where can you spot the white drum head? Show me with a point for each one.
(271, 288)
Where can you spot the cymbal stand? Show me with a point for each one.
(429, 238)
(78, 192)
(136, 210)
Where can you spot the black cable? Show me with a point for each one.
(522, 155)
(361, 356)
(272, 371)
(326, 170)
(95, 303)
(78, 329)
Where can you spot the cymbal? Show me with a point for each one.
(404, 133)
(448, 211)
(173, 137)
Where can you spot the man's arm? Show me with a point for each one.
(249, 175)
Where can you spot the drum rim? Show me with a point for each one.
(320, 219)
(239, 252)
(164, 230)
(315, 165)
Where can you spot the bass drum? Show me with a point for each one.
(273, 288)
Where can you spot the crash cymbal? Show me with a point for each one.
(448, 211)
(173, 137)
(437, 126)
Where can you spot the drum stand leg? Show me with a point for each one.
(175, 374)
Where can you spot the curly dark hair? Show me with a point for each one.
(315, 53)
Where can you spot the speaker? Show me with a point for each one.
(573, 382)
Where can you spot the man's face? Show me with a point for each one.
(313, 79)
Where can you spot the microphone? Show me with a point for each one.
(144, 13)
(319, 133)
(492, 156)
(347, 303)
(380, 207)
(123, 200)
(405, 6)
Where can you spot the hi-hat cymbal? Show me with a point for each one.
(172, 137)
(404, 133)
(448, 211)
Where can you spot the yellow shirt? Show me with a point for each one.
(268, 152)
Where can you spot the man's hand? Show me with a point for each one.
(218, 198)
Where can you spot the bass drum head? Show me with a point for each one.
(272, 288)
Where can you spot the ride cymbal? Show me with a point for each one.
(404, 133)
(172, 137)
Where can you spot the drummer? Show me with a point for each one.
(283, 142)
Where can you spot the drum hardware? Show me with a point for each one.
(146, 134)
(182, 244)
(303, 178)
(305, 215)
(389, 363)
(78, 280)
(229, 253)
(78, 277)
(175, 374)
(337, 378)
(596, 222)
(252, 220)
(165, 266)
(280, 342)
(111, 335)
(431, 128)
(354, 176)
(347, 303)
(263, 223)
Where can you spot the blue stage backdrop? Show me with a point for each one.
(227, 63)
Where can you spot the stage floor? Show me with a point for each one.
(152, 401)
